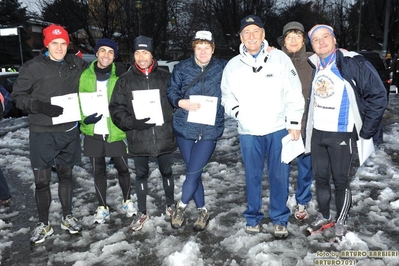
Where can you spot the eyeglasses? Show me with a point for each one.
(324, 38)
(293, 37)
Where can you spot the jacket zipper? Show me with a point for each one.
(148, 88)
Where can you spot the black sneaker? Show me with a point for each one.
(320, 224)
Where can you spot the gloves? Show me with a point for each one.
(48, 109)
(140, 124)
(92, 119)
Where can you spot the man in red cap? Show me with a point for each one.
(52, 73)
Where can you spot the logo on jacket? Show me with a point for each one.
(324, 87)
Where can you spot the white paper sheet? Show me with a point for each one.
(365, 147)
(291, 149)
(94, 102)
(206, 114)
(70, 103)
(147, 103)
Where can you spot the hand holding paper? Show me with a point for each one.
(92, 119)
(291, 149)
(49, 109)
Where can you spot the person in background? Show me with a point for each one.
(200, 74)
(101, 137)
(346, 104)
(5, 196)
(293, 43)
(52, 73)
(146, 83)
(261, 90)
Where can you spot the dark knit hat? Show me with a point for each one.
(106, 42)
(53, 32)
(293, 25)
(143, 43)
(251, 20)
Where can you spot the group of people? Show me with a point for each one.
(328, 100)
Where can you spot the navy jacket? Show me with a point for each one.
(208, 85)
(370, 94)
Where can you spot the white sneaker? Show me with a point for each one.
(138, 221)
(300, 212)
(101, 215)
(71, 224)
(128, 208)
(170, 210)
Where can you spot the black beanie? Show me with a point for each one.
(143, 43)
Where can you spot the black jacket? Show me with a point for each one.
(42, 78)
(156, 140)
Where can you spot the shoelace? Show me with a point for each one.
(179, 213)
(72, 221)
(202, 216)
(321, 220)
(39, 230)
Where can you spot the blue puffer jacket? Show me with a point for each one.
(209, 85)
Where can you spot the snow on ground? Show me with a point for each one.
(373, 237)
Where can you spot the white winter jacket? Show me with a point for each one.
(265, 91)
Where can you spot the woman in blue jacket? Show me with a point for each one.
(198, 76)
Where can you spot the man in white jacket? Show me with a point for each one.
(262, 91)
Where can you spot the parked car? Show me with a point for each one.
(7, 80)
(89, 57)
(168, 65)
(375, 59)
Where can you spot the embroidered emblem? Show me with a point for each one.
(250, 20)
(56, 32)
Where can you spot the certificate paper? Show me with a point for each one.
(70, 103)
(94, 102)
(206, 114)
(365, 147)
(147, 103)
(291, 149)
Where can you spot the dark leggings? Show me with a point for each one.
(100, 177)
(165, 162)
(196, 154)
(43, 193)
(332, 155)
